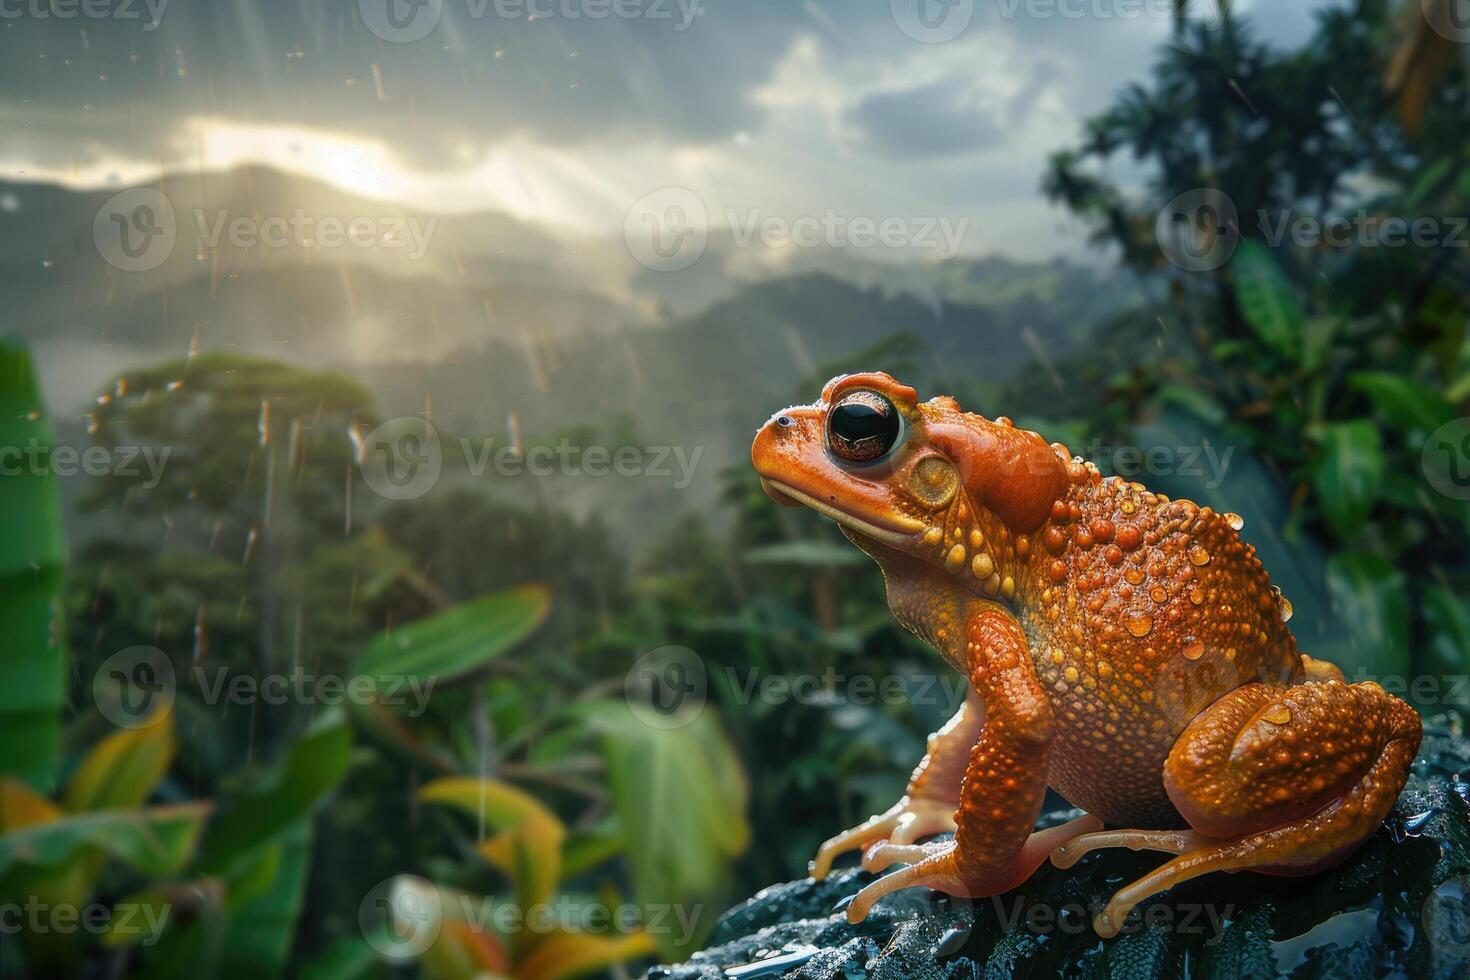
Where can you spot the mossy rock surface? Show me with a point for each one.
(1400, 907)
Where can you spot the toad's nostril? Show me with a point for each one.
(785, 421)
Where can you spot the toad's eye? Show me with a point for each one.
(862, 427)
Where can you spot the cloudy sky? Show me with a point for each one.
(570, 111)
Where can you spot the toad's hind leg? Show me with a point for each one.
(1279, 780)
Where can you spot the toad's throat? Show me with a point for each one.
(897, 536)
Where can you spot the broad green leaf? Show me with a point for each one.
(1348, 475)
(1403, 401)
(262, 926)
(1266, 298)
(563, 955)
(680, 795)
(281, 796)
(528, 840)
(450, 644)
(1317, 334)
(1448, 618)
(1371, 596)
(819, 554)
(1429, 178)
(156, 842)
(33, 673)
(1194, 401)
(123, 768)
(586, 850)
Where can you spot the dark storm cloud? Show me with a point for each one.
(930, 120)
(680, 69)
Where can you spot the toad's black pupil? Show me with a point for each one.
(864, 427)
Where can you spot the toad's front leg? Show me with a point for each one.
(927, 806)
(993, 849)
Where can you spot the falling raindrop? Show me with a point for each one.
(347, 503)
(513, 432)
(263, 424)
(201, 640)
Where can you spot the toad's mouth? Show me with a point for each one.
(896, 535)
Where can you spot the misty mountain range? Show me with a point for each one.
(497, 317)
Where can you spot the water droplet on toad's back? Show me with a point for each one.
(1139, 624)
(1198, 555)
(1235, 521)
(1194, 649)
(1283, 604)
(1277, 714)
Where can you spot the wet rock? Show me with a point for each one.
(1400, 907)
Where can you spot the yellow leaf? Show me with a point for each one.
(123, 768)
(528, 845)
(21, 806)
(573, 954)
(1420, 60)
(531, 855)
(499, 804)
(462, 952)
